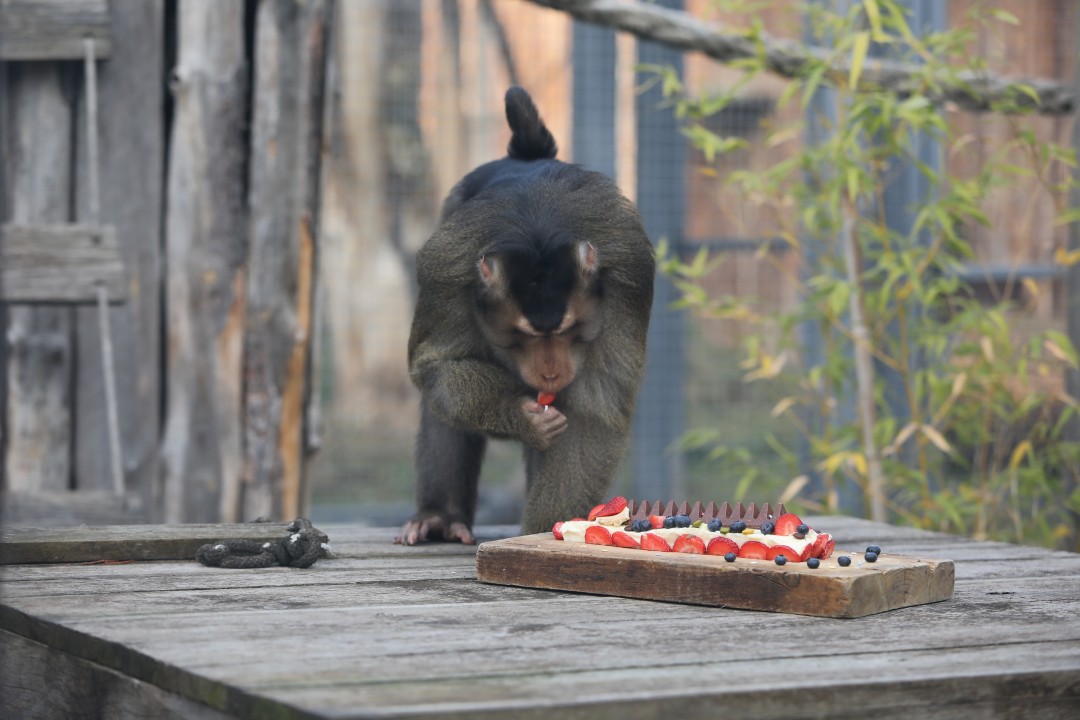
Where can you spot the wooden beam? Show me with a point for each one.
(131, 177)
(53, 29)
(283, 200)
(205, 274)
(24, 545)
(59, 263)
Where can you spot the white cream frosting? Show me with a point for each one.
(574, 531)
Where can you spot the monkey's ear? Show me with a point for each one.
(587, 259)
(491, 274)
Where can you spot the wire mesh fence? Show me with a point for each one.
(417, 102)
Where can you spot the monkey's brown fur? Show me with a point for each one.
(538, 277)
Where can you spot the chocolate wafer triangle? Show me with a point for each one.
(753, 515)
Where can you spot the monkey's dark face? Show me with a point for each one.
(539, 310)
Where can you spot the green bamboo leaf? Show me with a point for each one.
(1005, 16)
(858, 55)
(873, 14)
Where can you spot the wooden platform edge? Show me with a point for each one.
(540, 561)
(19, 546)
(37, 681)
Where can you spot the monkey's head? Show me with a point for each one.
(538, 306)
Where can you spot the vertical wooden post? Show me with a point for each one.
(290, 41)
(131, 162)
(37, 156)
(204, 235)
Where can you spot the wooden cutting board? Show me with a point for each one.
(541, 561)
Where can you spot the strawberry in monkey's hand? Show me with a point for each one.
(545, 398)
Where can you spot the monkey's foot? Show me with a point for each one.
(430, 526)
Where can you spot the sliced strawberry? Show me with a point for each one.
(691, 544)
(754, 550)
(556, 530)
(614, 506)
(657, 521)
(545, 398)
(721, 546)
(826, 552)
(597, 535)
(624, 540)
(786, 524)
(787, 552)
(652, 541)
(819, 544)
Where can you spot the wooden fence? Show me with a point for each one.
(224, 301)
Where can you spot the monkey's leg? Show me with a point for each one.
(571, 476)
(447, 473)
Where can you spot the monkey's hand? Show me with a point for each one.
(546, 423)
(434, 525)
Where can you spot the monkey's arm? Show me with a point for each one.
(482, 397)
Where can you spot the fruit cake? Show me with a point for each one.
(732, 532)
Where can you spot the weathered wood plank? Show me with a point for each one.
(202, 463)
(1008, 579)
(37, 159)
(98, 593)
(27, 542)
(53, 29)
(59, 263)
(62, 508)
(398, 658)
(39, 682)
(131, 140)
(285, 146)
(190, 577)
(135, 542)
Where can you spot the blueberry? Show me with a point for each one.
(874, 549)
(843, 560)
(767, 528)
(715, 525)
(669, 521)
(803, 529)
(640, 526)
(812, 563)
(870, 556)
(682, 521)
(738, 526)
(780, 560)
(730, 556)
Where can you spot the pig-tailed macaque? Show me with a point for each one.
(536, 284)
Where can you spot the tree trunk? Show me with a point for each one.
(205, 226)
(290, 41)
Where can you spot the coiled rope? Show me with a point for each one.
(300, 548)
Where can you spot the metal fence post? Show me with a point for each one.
(661, 197)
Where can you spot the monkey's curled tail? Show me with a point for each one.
(531, 140)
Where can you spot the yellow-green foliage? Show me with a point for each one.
(975, 446)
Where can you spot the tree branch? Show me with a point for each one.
(976, 92)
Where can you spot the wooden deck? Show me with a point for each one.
(385, 631)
